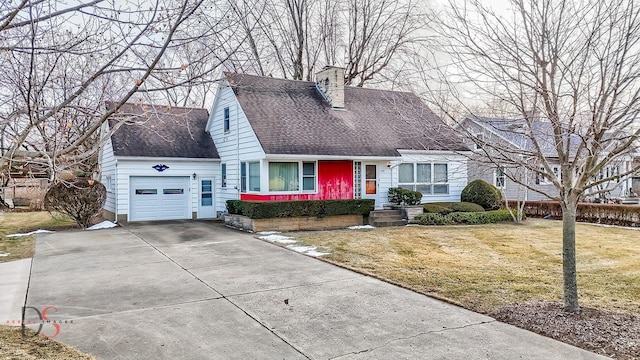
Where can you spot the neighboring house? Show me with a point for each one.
(277, 139)
(159, 164)
(508, 136)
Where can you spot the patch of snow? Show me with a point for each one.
(268, 232)
(359, 227)
(308, 250)
(103, 225)
(316, 253)
(278, 239)
(39, 231)
(4, 254)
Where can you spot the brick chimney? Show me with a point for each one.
(330, 82)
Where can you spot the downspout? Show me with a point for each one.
(239, 179)
(115, 195)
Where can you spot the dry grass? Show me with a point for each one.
(21, 222)
(31, 347)
(486, 266)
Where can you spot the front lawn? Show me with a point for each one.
(22, 222)
(511, 272)
(483, 267)
(15, 346)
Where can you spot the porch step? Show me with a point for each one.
(381, 218)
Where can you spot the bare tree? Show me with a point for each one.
(293, 38)
(575, 64)
(62, 62)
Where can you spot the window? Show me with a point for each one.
(254, 176)
(249, 176)
(440, 179)
(499, 178)
(109, 184)
(543, 180)
(308, 176)
(243, 177)
(357, 180)
(285, 176)
(146, 191)
(427, 178)
(172, 191)
(224, 175)
(206, 195)
(479, 141)
(227, 122)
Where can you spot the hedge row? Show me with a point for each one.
(470, 218)
(317, 208)
(445, 208)
(611, 214)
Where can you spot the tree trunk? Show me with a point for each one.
(569, 255)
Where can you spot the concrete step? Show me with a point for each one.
(381, 218)
(386, 223)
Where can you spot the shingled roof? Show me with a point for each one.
(161, 131)
(292, 117)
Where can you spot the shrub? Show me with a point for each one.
(317, 208)
(470, 218)
(482, 193)
(433, 219)
(400, 196)
(80, 199)
(449, 207)
(394, 195)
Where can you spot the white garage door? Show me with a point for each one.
(159, 198)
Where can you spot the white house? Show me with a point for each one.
(278, 139)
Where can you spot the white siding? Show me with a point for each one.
(108, 172)
(239, 144)
(456, 166)
(177, 167)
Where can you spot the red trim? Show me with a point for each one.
(335, 182)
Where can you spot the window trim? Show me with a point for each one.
(301, 177)
(245, 177)
(226, 120)
(479, 137)
(415, 184)
(495, 178)
(223, 177)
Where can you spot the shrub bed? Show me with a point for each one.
(610, 214)
(445, 208)
(470, 218)
(317, 208)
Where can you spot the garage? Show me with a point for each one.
(159, 198)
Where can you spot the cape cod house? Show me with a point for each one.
(277, 139)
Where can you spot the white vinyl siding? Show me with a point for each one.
(239, 144)
(185, 168)
(108, 173)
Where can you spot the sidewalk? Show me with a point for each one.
(14, 277)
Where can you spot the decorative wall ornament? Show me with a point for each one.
(160, 167)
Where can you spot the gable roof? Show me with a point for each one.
(292, 117)
(518, 133)
(161, 131)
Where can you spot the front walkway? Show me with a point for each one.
(197, 290)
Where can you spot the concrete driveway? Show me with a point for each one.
(197, 290)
